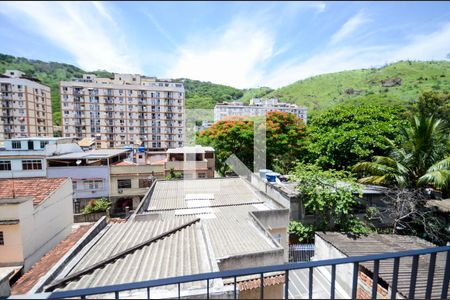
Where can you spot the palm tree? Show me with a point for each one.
(421, 159)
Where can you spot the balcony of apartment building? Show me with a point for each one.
(182, 161)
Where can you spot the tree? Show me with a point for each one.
(405, 209)
(330, 196)
(345, 135)
(284, 136)
(421, 158)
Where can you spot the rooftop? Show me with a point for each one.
(173, 194)
(182, 252)
(40, 138)
(37, 188)
(367, 244)
(93, 154)
(40, 268)
(226, 207)
(192, 149)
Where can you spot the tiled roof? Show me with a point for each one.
(39, 269)
(367, 244)
(37, 188)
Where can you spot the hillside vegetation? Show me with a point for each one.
(198, 94)
(397, 83)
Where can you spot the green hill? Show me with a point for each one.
(198, 94)
(395, 83)
(403, 81)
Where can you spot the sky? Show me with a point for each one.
(241, 44)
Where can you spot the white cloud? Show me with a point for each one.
(334, 59)
(349, 27)
(82, 29)
(234, 55)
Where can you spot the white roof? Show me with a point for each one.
(104, 153)
(192, 149)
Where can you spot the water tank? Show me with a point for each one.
(263, 172)
(272, 176)
(141, 149)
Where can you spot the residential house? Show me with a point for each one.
(25, 157)
(35, 215)
(192, 162)
(330, 245)
(130, 180)
(90, 172)
(182, 228)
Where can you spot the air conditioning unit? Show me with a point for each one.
(120, 191)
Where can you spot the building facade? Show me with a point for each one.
(89, 171)
(25, 157)
(257, 107)
(35, 215)
(26, 106)
(124, 110)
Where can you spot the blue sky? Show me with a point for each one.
(243, 44)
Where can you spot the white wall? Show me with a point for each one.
(80, 173)
(51, 222)
(344, 273)
(40, 227)
(17, 172)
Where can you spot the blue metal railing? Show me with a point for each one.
(286, 268)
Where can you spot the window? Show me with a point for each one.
(2, 239)
(31, 164)
(16, 145)
(43, 143)
(124, 184)
(93, 184)
(5, 165)
(209, 154)
(74, 185)
(144, 183)
(201, 175)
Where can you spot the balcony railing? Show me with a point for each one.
(286, 269)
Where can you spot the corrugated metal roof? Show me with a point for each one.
(170, 195)
(232, 231)
(181, 253)
(367, 244)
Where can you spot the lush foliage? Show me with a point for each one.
(364, 86)
(304, 233)
(200, 94)
(97, 205)
(343, 136)
(174, 175)
(420, 158)
(330, 196)
(284, 135)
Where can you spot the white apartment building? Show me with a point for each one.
(26, 106)
(124, 110)
(257, 107)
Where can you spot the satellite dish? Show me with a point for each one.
(78, 162)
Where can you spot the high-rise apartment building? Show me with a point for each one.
(257, 107)
(124, 110)
(26, 106)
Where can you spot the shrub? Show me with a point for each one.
(97, 205)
